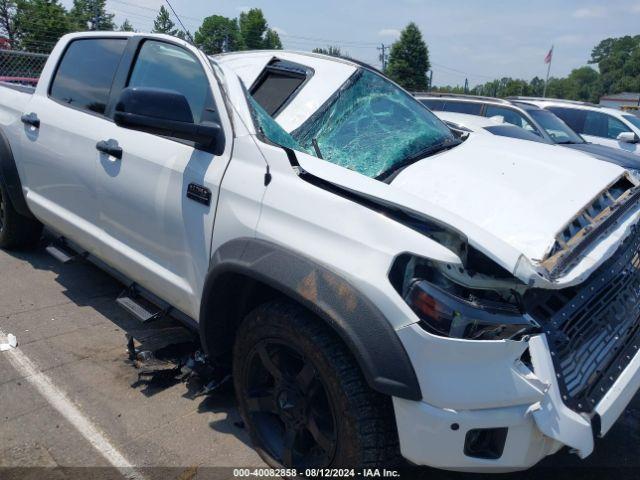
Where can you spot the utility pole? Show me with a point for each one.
(383, 55)
(430, 80)
(466, 85)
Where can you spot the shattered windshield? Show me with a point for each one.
(271, 129)
(371, 126)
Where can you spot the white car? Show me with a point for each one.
(602, 125)
(378, 288)
(462, 122)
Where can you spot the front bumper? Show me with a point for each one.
(486, 386)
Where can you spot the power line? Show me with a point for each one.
(181, 24)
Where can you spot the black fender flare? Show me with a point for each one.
(10, 178)
(358, 322)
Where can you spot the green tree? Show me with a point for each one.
(536, 87)
(126, 26)
(163, 23)
(272, 40)
(409, 59)
(218, 34)
(330, 50)
(91, 15)
(7, 20)
(253, 26)
(40, 23)
(255, 31)
(618, 61)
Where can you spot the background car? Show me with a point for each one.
(533, 118)
(461, 123)
(602, 125)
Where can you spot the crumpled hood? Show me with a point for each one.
(509, 198)
(522, 192)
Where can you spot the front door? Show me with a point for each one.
(154, 232)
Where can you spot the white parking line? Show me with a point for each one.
(59, 400)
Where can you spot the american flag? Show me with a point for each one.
(549, 56)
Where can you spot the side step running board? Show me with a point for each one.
(137, 306)
(61, 252)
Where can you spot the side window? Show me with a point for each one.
(510, 116)
(166, 66)
(433, 104)
(278, 84)
(84, 76)
(573, 117)
(615, 127)
(595, 124)
(463, 107)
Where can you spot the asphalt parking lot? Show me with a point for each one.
(71, 333)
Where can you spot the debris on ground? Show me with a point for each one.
(12, 342)
(167, 355)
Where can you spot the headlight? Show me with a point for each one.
(444, 314)
(454, 303)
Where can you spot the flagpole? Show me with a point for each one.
(544, 92)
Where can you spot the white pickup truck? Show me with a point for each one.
(379, 288)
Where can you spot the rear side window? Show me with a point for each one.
(85, 74)
(433, 104)
(166, 66)
(571, 116)
(278, 84)
(463, 107)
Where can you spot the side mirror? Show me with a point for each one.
(163, 112)
(627, 137)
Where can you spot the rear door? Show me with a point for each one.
(59, 155)
(154, 232)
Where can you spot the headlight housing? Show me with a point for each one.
(447, 308)
(444, 314)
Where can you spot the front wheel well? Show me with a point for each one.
(247, 272)
(234, 296)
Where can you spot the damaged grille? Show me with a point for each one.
(593, 329)
(586, 226)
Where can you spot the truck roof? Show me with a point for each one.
(323, 76)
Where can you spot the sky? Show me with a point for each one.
(474, 39)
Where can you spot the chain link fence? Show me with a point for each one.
(21, 67)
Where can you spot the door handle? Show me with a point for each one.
(30, 119)
(110, 147)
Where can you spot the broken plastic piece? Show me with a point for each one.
(12, 342)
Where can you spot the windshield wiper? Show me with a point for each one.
(316, 147)
(389, 174)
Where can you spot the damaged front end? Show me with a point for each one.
(575, 346)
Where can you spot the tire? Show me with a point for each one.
(303, 397)
(16, 231)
